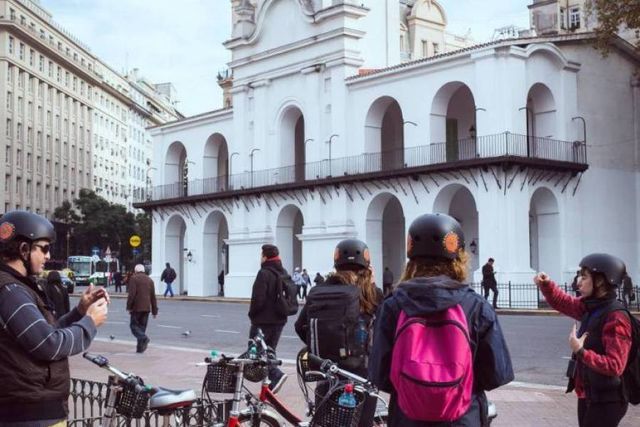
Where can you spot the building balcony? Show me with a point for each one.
(502, 149)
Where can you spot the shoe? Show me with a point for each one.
(277, 384)
(143, 345)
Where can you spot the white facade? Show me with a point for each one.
(314, 151)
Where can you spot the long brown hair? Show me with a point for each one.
(362, 279)
(421, 267)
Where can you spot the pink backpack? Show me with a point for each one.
(432, 365)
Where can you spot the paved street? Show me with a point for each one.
(224, 326)
(537, 343)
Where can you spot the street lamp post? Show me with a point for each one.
(330, 141)
(148, 181)
(251, 156)
(230, 184)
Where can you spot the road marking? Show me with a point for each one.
(214, 316)
(291, 336)
(566, 357)
(170, 327)
(523, 384)
(226, 332)
(117, 322)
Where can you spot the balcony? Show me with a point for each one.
(500, 149)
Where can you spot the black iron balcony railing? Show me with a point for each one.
(503, 145)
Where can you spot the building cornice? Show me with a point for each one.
(197, 120)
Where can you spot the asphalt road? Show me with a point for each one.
(538, 344)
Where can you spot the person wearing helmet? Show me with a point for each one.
(600, 348)
(351, 291)
(34, 347)
(431, 288)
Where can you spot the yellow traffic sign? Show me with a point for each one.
(134, 241)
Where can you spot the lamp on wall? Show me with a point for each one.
(190, 256)
(473, 246)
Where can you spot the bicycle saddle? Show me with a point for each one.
(170, 399)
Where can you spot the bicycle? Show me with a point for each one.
(129, 397)
(227, 375)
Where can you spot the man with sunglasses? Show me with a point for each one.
(34, 346)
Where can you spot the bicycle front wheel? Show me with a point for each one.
(258, 420)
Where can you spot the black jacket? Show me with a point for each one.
(421, 296)
(262, 310)
(488, 275)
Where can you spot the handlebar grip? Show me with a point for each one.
(97, 359)
(317, 361)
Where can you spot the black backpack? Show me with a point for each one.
(631, 375)
(286, 303)
(333, 316)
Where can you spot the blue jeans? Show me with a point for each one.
(168, 290)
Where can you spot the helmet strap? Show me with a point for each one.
(25, 256)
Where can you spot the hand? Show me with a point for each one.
(98, 312)
(574, 342)
(91, 295)
(541, 279)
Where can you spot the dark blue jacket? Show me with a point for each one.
(421, 296)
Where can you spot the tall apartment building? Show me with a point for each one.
(64, 115)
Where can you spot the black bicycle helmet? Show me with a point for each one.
(434, 236)
(611, 267)
(26, 226)
(351, 254)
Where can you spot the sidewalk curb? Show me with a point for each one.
(500, 311)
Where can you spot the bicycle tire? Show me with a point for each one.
(246, 420)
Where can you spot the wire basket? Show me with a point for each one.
(131, 403)
(221, 378)
(330, 414)
(303, 367)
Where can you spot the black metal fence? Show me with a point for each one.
(484, 147)
(87, 401)
(527, 296)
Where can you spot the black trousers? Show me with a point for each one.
(600, 414)
(271, 337)
(138, 325)
(491, 286)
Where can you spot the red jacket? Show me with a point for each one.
(616, 335)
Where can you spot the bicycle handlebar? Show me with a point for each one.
(131, 380)
(329, 366)
(237, 361)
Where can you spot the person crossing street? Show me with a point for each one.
(140, 302)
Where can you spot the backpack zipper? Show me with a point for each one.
(433, 384)
(426, 322)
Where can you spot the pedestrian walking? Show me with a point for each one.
(263, 312)
(221, 283)
(140, 302)
(306, 283)
(57, 294)
(422, 354)
(387, 281)
(168, 276)
(34, 346)
(628, 294)
(489, 282)
(298, 280)
(351, 291)
(319, 279)
(117, 281)
(600, 348)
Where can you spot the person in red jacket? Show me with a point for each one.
(601, 346)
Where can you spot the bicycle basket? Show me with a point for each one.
(302, 367)
(131, 403)
(253, 373)
(221, 378)
(330, 414)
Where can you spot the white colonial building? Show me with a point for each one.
(532, 144)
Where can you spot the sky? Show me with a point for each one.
(181, 41)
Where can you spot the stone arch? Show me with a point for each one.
(384, 132)
(288, 226)
(386, 235)
(175, 170)
(456, 200)
(292, 145)
(215, 164)
(544, 232)
(429, 10)
(214, 250)
(453, 123)
(541, 119)
(174, 244)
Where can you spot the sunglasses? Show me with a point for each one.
(43, 248)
